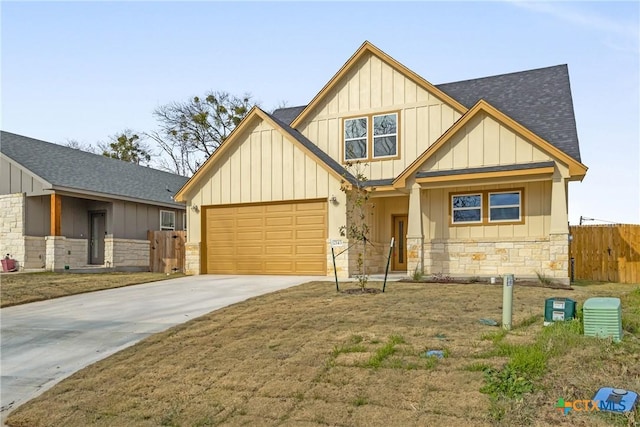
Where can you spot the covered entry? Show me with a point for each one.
(265, 238)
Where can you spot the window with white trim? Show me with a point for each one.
(504, 206)
(355, 138)
(466, 208)
(167, 220)
(371, 137)
(385, 135)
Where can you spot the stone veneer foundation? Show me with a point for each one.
(126, 254)
(524, 257)
(192, 258)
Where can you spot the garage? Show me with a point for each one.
(265, 238)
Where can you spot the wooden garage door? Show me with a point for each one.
(271, 238)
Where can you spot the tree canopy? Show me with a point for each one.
(190, 131)
(126, 146)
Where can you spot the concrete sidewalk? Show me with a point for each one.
(44, 342)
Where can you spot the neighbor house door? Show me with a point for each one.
(96, 242)
(400, 245)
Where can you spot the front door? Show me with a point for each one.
(96, 242)
(400, 243)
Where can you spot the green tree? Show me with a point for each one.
(126, 146)
(192, 130)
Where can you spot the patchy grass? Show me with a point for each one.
(30, 287)
(310, 356)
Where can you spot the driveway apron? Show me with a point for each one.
(44, 342)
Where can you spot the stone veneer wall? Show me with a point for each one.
(126, 254)
(12, 227)
(61, 252)
(192, 258)
(35, 252)
(523, 257)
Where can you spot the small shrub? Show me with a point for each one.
(475, 279)
(417, 275)
(505, 383)
(440, 277)
(543, 279)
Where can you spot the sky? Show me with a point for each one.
(87, 70)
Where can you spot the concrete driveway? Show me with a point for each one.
(44, 342)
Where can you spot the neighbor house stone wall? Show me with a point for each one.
(35, 252)
(524, 257)
(126, 254)
(12, 207)
(192, 258)
(55, 253)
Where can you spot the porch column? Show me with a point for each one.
(558, 265)
(56, 213)
(415, 235)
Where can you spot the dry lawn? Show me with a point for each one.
(29, 287)
(308, 356)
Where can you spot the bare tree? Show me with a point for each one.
(192, 130)
(77, 145)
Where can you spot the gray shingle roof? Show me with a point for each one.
(538, 99)
(86, 172)
(314, 149)
(288, 114)
(502, 168)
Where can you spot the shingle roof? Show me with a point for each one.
(86, 172)
(538, 99)
(288, 114)
(501, 168)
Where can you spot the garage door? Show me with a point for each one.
(271, 238)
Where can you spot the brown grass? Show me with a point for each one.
(308, 356)
(29, 287)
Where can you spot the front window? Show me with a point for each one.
(167, 220)
(504, 206)
(466, 208)
(355, 138)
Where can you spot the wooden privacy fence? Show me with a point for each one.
(166, 251)
(606, 252)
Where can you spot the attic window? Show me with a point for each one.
(355, 138)
(371, 137)
(167, 220)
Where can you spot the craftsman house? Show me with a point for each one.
(63, 208)
(470, 177)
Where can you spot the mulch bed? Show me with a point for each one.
(466, 282)
(357, 291)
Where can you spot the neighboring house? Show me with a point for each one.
(470, 177)
(65, 208)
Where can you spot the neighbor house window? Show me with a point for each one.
(504, 206)
(371, 137)
(385, 135)
(167, 220)
(466, 208)
(355, 138)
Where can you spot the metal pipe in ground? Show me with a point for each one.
(507, 301)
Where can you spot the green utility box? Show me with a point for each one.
(602, 317)
(559, 310)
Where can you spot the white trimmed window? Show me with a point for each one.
(505, 206)
(167, 220)
(385, 135)
(466, 208)
(355, 138)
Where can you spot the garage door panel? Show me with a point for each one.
(273, 238)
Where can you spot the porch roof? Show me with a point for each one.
(487, 169)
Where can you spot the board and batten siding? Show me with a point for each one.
(261, 166)
(128, 220)
(536, 213)
(373, 86)
(484, 142)
(14, 179)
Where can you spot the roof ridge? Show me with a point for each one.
(504, 74)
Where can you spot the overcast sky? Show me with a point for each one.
(87, 70)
